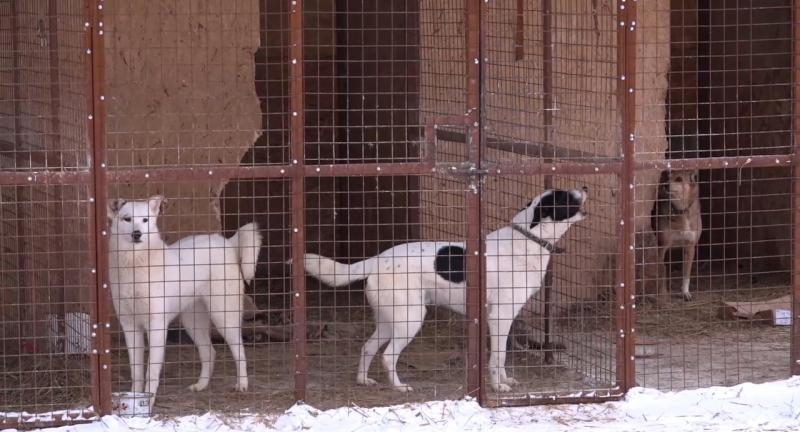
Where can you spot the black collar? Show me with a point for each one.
(543, 243)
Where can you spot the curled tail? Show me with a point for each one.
(248, 241)
(334, 273)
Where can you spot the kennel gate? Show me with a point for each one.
(479, 72)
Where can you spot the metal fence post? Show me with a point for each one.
(626, 67)
(476, 287)
(95, 61)
(298, 196)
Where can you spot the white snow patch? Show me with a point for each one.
(770, 406)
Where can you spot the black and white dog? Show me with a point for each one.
(402, 280)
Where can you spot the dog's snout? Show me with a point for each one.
(585, 189)
(137, 235)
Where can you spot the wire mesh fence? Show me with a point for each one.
(236, 207)
(720, 234)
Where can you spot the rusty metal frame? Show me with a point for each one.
(795, 268)
(626, 277)
(95, 62)
(296, 152)
(547, 106)
(476, 279)
(551, 162)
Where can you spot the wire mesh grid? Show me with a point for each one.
(716, 229)
(44, 79)
(550, 81)
(193, 232)
(564, 339)
(552, 98)
(361, 220)
(47, 308)
(379, 148)
(727, 327)
(362, 82)
(181, 83)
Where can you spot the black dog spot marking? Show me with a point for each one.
(449, 264)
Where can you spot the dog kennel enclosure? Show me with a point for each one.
(344, 127)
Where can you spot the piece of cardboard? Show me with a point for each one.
(777, 311)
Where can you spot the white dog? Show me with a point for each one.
(402, 280)
(201, 278)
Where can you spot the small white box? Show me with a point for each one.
(782, 317)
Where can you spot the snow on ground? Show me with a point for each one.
(773, 406)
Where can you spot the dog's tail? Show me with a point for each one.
(248, 242)
(334, 273)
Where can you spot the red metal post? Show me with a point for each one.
(95, 61)
(795, 342)
(476, 286)
(296, 152)
(626, 67)
(547, 84)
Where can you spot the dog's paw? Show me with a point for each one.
(197, 387)
(289, 261)
(367, 381)
(241, 386)
(510, 381)
(502, 388)
(687, 296)
(404, 388)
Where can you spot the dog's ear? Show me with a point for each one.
(664, 178)
(113, 207)
(155, 204)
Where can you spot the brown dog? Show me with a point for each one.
(675, 219)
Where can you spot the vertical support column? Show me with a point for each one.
(547, 91)
(795, 343)
(626, 68)
(296, 152)
(476, 286)
(95, 64)
(519, 32)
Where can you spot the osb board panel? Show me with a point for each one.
(180, 91)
